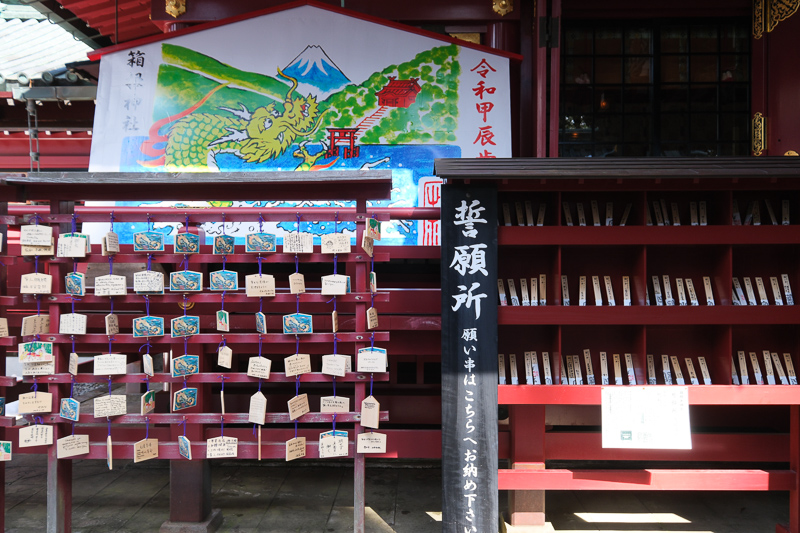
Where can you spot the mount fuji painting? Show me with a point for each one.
(316, 73)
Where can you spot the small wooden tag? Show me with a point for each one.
(523, 292)
(582, 291)
(534, 291)
(334, 404)
(617, 370)
(528, 369)
(298, 406)
(734, 375)
(110, 243)
(185, 447)
(756, 368)
(334, 365)
(512, 364)
(785, 212)
(587, 360)
(72, 445)
(595, 213)
(372, 360)
(259, 367)
(598, 293)
(371, 443)
(298, 243)
(506, 214)
(762, 292)
(147, 365)
(576, 367)
(540, 217)
(501, 369)
(690, 370)
(625, 214)
(609, 291)
(35, 325)
(520, 214)
(26, 250)
(651, 370)
(35, 402)
(147, 403)
(657, 212)
(261, 323)
(676, 217)
(70, 409)
(630, 369)
(537, 377)
(110, 405)
(704, 370)
(144, 450)
(258, 285)
(787, 358)
(609, 213)
(35, 352)
(664, 211)
(372, 318)
(703, 214)
(333, 444)
(3, 326)
(548, 375)
(676, 368)
(368, 245)
(370, 412)
(776, 290)
(709, 292)
(738, 294)
(567, 214)
(334, 284)
(297, 364)
(110, 285)
(512, 293)
(693, 218)
(112, 324)
(224, 357)
(44, 368)
(665, 369)
(542, 289)
(657, 291)
(692, 293)
(668, 298)
(36, 284)
(787, 289)
(148, 282)
(35, 235)
(222, 447)
(295, 448)
(257, 412)
(570, 370)
(768, 367)
(501, 292)
(581, 214)
(334, 321)
(223, 320)
(756, 213)
(70, 245)
(604, 378)
(35, 435)
(681, 292)
(743, 368)
(335, 243)
(771, 213)
(110, 364)
(564, 291)
(73, 364)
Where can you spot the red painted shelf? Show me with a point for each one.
(647, 315)
(645, 235)
(698, 394)
(682, 479)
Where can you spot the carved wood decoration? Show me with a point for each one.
(759, 134)
(176, 8)
(768, 13)
(502, 7)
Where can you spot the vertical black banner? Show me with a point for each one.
(469, 359)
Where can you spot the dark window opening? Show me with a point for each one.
(655, 88)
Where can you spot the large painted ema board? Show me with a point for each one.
(305, 88)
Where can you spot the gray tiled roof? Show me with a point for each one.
(31, 44)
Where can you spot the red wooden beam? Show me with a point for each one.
(563, 479)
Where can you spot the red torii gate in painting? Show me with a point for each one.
(343, 135)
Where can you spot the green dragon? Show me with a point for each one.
(194, 139)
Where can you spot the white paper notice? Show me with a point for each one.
(646, 418)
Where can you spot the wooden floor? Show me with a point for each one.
(318, 497)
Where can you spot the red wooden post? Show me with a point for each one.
(359, 467)
(527, 452)
(59, 471)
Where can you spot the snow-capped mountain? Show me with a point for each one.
(316, 73)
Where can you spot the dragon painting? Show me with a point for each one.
(193, 140)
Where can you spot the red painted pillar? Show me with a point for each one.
(527, 452)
